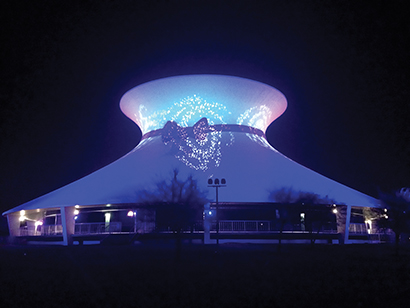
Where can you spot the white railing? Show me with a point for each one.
(51, 230)
(358, 228)
(224, 226)
(30, 231)
(244, 226)
(97, 227)
(262, 226)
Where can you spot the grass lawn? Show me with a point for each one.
(239, 275)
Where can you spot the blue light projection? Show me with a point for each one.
(187, 99)
(198, 147)
(215, 106)
(257, 117)
(183, 112)
(204, 121)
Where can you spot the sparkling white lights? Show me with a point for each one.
(185, 112)
(257, 117)
(186, 99)
(181, 101)
(203, 151)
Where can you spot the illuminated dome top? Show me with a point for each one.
(187, 99)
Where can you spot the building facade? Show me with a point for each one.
(206, 127)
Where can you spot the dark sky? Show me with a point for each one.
(343, 67)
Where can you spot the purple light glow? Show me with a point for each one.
(187, 99)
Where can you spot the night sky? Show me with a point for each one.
(343, 66)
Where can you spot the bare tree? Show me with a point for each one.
(307, 202)
(283, 197)
(396, 215)
(178, 204)
(317, 211)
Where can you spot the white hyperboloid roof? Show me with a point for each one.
(217, 132)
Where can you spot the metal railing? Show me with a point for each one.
(358, 228)
(97, 227)
(244, 226)
(51, 230)
(224, 226)
(264, 226)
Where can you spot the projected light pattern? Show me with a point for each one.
(198, 115)
(198, 147)
(201, 154)
(183, 112)
(257, 117)
(187, 99)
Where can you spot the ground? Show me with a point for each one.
(239, 275)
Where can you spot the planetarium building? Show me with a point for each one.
(210, 128)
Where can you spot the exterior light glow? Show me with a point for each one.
(334, 211)
(76, 212)
(22, 218)
(38, 223)
(22, 212)
(369, 224)
(130, 214)
(75, 217)
(108, 205)
(107, 217)
(76, 206)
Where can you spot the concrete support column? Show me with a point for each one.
(207, 224)
(67, 220)
(343, 222)
(14, 224)
(347, 227)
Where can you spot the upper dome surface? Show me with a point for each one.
(187, 99)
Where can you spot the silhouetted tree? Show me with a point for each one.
(178, 204)
(317, 211)
(283, 198)
(397, 214)
(307, 202)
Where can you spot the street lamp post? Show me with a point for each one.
(216, 183)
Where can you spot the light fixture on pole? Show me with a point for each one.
(216, 183)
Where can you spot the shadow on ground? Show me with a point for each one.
(239, 275)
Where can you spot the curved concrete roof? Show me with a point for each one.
(186, 99)
(252, 168)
